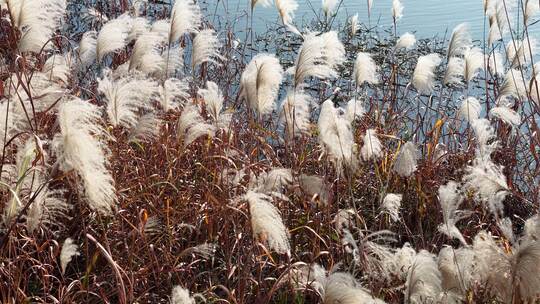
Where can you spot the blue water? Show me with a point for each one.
(426, 18)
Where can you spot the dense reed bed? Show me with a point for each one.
(150, 156)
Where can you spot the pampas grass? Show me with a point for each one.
(365, 69)
(397, 10)
(335, 135)
(266, 222)
(113, 36)
(406, 41)
(424, 73)
(318, 57)
(406, 160)
(391, 205)
(423, 283)
(460, 41)
(173, 93)
(205, 48)
(87, 49)
(37, 20)
(286, 9)
(454, 71)
(507, 115)
(470, 109)
(79, 147)
(372, 148)
(125, 97)
(69, 250)
(450, 200)
(186, 17)
(353, 25)
(260, 83)
(295, 113)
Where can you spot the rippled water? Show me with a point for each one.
(427, 18)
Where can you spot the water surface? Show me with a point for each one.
(427, 18)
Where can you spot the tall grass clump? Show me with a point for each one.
(156, 152)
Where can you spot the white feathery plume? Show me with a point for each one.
(205, 48)
(492, 266)
(507, 115)
(423, 283)
(181, 295)
(454, 71)
(365, 69)
(397, 9)
(531, 8)
(519, 52)
(460, 41)
(495, 31)
(354, 109)
(266, 222)
(514, 85)
(69, 250)
(260, 83)
(139, 26)
(391, 205)
(354, 25)
(44, 93)
(329, 6)
(317, 189)
(37, 20)
(58, 68)
(474, 61)
(488, 182)
(213, 99)
(78, 147)
(113, 36)
(505, 225)
(524, 269)
(369, 6)
(495, 63)
(286, 10)
(484, 135)
(295, 113)
(344, 219)
(401, 261)
(265, 3)
(342, 288)
(173, 93)
(191, 125)
(318, 57)
(49, 205)
(470, 109)
(186, 17)
(146, 129)
(457, 268)
(406, 160)
(372, 148)
(405, 41)
(146, 55)
(534, 87)
(162, 28)
(22, 182)
(450, 198)
(125, 97)
(531, 229)
(87, 49)
(336, 136)
(273, 182)
(172, 60)
(424, 73)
